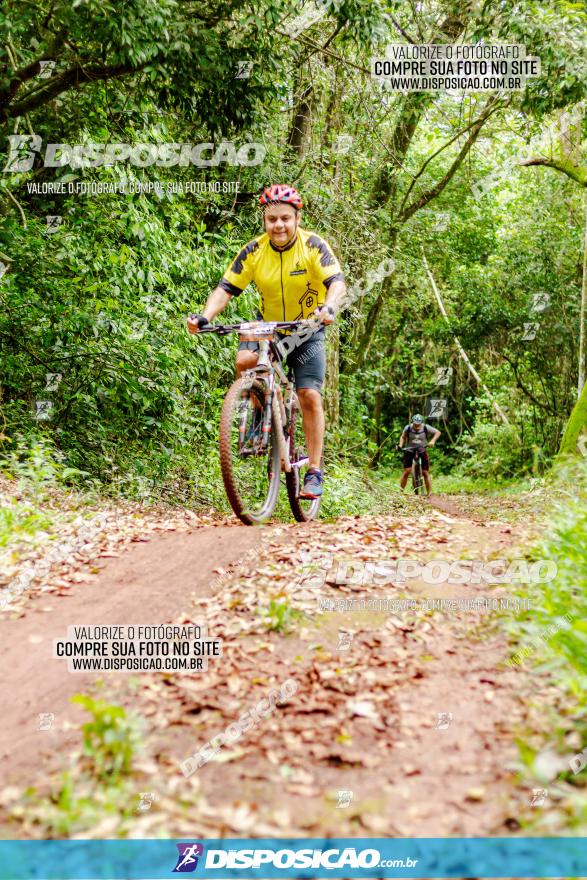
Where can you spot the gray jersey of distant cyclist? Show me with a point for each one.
(417, 439)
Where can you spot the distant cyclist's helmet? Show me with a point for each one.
(280, 193)
(417, 419)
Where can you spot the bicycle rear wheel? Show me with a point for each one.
(250, 469)
(303, 509)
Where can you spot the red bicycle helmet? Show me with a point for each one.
(280, 193)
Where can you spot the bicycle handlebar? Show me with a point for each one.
(248, 326)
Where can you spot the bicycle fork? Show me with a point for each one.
(272, 405)
(281, 421)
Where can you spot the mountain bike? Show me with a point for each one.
(261, 432)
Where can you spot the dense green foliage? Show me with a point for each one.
(102, 299)
(565, 548)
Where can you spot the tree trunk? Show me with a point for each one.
(332, 125)
(577, 421)
(582, 310)
(385, 186)
(376, 430)
(371, 320)
(300, 127)
(331, 391)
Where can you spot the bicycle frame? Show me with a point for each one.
(265, 370)
(267, 367)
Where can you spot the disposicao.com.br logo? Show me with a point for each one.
(288, 859)
(23, 149)
(187, 859)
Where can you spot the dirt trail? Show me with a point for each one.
(414, 716)
(150, 583)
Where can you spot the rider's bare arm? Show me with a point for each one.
(334, 298)
(216, 303)
(335, 295)
(435, 437)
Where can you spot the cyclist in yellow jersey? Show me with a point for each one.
(297, 276)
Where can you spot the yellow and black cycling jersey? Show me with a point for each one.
(292, 282)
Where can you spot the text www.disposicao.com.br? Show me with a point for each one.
(134, 664)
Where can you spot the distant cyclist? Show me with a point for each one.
(297, 276)
(415, 436)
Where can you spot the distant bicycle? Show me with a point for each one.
(261, 434)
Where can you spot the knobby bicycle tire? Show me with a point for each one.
(232, 400)
(301, 512)
(417, 476)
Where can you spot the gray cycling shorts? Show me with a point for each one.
(307, 361)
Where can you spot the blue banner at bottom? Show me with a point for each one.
(366, 857)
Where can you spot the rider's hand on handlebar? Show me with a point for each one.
(325, 314)
(195, 322)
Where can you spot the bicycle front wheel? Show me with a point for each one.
(249, 457)
(417, 476)
(303, 509)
